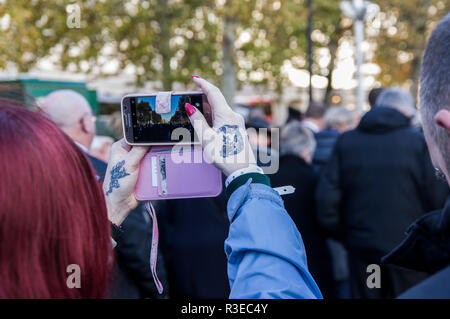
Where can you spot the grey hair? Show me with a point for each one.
(398, 99)
(295, 139)
(435, 84)
(338, 116)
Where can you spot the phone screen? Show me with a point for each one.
(151, 127)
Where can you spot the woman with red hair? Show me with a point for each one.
(53, 212)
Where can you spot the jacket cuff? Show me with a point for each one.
(250, 191)
(243, 179)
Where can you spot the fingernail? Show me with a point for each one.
(195, 76)
(190, 109)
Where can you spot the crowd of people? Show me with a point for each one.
(360, 181)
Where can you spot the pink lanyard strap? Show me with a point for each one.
(154, 249)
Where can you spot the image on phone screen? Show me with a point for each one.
(151, 127)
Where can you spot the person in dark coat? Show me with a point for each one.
(325, 143)
(379, 179)
(192, 235)
(338, 119)
(293, 114)
(426, 248)
(313, 117)
(296, 147)
(427, 245)
(259, 135)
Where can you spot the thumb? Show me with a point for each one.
(198, 121)
(119, 149)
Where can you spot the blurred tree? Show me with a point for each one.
(256, 38)
(165, 40)
(159, 40)
(330, 26)
(272, 38)
(230, 13)
(403, 31)
(151, 37)
(25, 34)
(250, 41)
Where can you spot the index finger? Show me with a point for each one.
(215, 97)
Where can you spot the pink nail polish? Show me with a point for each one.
(190, 109)
(195, 76)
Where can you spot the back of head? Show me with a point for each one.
(64, 107)
(68, 110)
(294, 114)
(53, 212)
(435, 85)
(373, 95)
(398, 99)
(256, 113)
(315, 110)
(295, 139)
(340, 118)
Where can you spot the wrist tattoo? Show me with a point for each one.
(117, 172)
(232, 141)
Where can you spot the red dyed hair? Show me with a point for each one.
(52, 212)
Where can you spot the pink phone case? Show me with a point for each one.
(182, 180)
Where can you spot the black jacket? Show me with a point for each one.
(435, 287)
(427, 248)
(99, 167)
(379, 179)
(132, 277)
(301, 207)
(325, 141)
(193, 232)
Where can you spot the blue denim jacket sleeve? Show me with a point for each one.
(266, 255)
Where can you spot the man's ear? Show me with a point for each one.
(442, 118)
(84, 128)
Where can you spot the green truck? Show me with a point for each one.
(25, 90)
(20, 89)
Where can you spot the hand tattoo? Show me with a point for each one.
(232, 141)
(117, 172)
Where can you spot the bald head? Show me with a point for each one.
(65, 107)
(72, 113)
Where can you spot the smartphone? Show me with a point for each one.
(142, 125)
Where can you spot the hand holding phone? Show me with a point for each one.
(152, 119)
(225, 142)
(120, 180)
